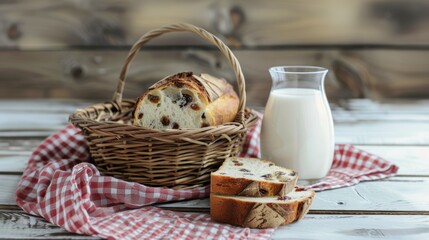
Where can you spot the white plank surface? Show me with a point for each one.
(19, 145)
(357, 121)
(8, 188)
(350, 106)
(32, 121)
(391, 122)
(399, 134)
(13, 163)
(390, 106)
(354, 227)
(394, 194)
(42, 105)
(37, 118)
(360, 132)
(17, 225)
(382, 133)
(412, 160)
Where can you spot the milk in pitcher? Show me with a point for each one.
(297, 131)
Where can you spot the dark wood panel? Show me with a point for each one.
(54, 23)
(384, 74)
(92, 74)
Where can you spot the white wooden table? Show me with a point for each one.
(395, 208)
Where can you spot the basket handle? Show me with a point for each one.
(183, 27)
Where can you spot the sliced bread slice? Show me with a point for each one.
(252, 177)
(265, 212)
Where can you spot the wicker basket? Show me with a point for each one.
(174, 158)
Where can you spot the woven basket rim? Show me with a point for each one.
(79, 114)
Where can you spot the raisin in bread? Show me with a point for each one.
(265, 212)
(252, 177)
(186, 100)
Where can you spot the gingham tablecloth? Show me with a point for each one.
(60, 185)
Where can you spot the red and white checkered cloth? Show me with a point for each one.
(61, 186)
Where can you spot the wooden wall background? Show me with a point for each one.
(75, 48)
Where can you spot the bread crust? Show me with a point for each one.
(217, 94)
(227, 185)
(254, 214)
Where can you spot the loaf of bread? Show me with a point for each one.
(186, 100)
(264, 212)
(253, 178)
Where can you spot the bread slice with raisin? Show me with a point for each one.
(252, 177)
(186, 100)
(265, 212)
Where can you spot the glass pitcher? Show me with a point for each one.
(297, 128)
